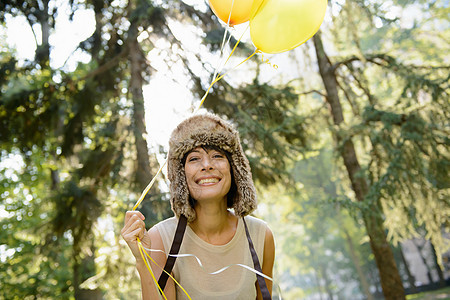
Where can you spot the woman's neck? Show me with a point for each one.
(214, 224)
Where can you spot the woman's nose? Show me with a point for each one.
(207, 164)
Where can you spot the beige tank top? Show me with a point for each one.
(234, 283)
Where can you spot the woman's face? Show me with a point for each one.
(208, 174)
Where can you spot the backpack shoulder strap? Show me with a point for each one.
(261, 282)
(174, 249)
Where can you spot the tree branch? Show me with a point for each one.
(389, 60)
(313, 92)
(105, 67)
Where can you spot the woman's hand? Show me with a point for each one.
(133, 229)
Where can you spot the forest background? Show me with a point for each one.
(347, 139)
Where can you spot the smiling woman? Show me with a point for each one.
(208, 176)
(212, 195)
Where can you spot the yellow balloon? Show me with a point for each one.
(240, 10)
(281, 25)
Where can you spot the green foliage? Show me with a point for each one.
(76, 210)
(412, 178)
(271, 130)
(393, 85)
(395, 80)
(72, 132)
(33, 262)
(68, 150)
(312, 232)
(28, 108)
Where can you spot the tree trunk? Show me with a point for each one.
(389, 275)
(424, 261)
(79, 277)
(354, 256)
(97, 35)
(437, 266)
(42, 54)
(137, 63)
(324, 275)
(411, 278)
(319, 286)
(83, 268)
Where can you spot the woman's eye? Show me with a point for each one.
(193, 158)
(218, 155)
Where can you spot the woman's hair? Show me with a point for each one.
(210, 131)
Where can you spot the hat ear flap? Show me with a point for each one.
(179, 191)
(245, 199)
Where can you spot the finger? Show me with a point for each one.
(129, 214)
(135, 225)
(132, 236)
(132, 224)
(129, 225)
(141, 233)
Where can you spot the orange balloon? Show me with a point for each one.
(240, 10)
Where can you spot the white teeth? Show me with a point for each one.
(208, 180)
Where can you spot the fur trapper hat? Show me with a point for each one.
(208, 130)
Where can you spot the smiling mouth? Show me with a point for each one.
(208, 180)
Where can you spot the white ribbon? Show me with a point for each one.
(213, 273)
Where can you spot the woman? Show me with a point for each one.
(209, 174)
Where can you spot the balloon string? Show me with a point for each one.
(220, 63)
(235, 46)
(256, 11)
(149, 186)
(229, 15)
(140, 247)
(147, 255)
(218, 77)
(227, 27)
